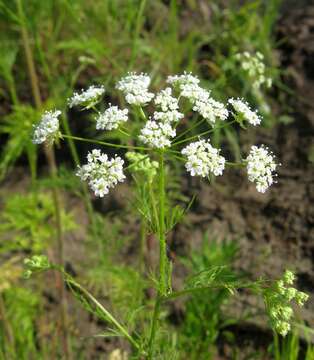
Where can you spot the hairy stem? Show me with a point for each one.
(50, 156)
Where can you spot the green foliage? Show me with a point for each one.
(18, 340)
(18, 126)
(27, 222)
(204, 318)
(289, 348)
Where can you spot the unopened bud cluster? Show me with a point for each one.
(278, 300)
(34, 264)
(142, 164)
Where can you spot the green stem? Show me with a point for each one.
(236, 164)
(142, 246)
(119, 146)
(154, 328)
(162, 235)
(154, 207)
(162, 287)
(189, 129)
(203, 133)
(123, 132)
(105, 312)
(142, 114)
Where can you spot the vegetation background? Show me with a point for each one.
(73, 44)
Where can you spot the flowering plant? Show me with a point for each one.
(151, 149)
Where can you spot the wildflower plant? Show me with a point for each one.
(158, 141)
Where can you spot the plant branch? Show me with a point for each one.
(104, 143)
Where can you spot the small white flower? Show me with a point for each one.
(47, 128)
(101, 172)
(166, 101)
(135, 88)
(111, 118)
(157, 134)
(183, 79)
(188, 85)
(203, 159)
(243, 108)
(261, 167)
(210, 109)
(193, 92)
(168, 117)
(87, 98)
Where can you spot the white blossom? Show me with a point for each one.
(209, 108)
(87, 98)
(135, 88)
(169, 106)
(166, 101)
(101, 172)
(111, 118)
(261, 167)
(242, 108)
(206, 106)
(188, 85)
(47, 128)
(203, 159)
(157, 134)
(168, 116)
(193, 92)
(183, 79)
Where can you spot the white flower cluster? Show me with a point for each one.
(255, 67)
(203, 103)
(261, 167)
(188, 85)
(210, 109)
(135, 88)
(203, 159)
(166, 101)
(87, 98)
(47, 128)
(183, 79)
(101, 172)
(169, 107)
(111, 118)
(243, 109)
(157, 134)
